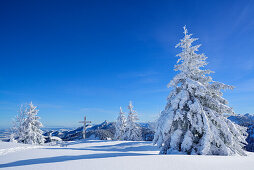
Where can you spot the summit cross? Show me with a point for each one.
(84, 126)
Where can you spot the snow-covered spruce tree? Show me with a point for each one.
(133, 130)
(27, 129)
(120, 126)
(17, 129)
(194, 120)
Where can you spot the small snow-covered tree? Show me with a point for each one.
(120, 126)
(17, 129)
(12, 139)
(133, 130)
(194, 120)
(27, 127)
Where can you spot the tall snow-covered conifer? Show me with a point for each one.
(120, 126)
(133, 131)
(194, 120)
(27, 127)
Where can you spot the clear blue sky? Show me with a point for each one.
(76, 58)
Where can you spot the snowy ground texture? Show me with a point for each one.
(111, 155)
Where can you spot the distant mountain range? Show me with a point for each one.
(246, 120)
(103, 131)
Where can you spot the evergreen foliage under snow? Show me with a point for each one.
(133, 130)
(194, 121)
(120, 126)
(27, 126)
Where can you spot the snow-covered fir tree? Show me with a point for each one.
(194, 120)
(120, 126)
(17, 129)
(27, 127)
(133, 130)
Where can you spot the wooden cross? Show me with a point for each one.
(84, 128)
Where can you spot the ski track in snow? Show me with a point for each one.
(16, 149)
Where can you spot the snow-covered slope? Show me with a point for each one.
(111, 155)
(9, 147)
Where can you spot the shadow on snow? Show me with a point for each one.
(66, 158)
(121, 147)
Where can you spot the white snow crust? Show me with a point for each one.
(111, 155)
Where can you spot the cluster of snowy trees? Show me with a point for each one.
(26, 128)
(194, 120)
(128, 129)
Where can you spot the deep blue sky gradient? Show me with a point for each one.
(90, 57)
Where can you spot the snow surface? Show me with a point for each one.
(111, 155)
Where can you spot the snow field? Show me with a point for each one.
(113, 155)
